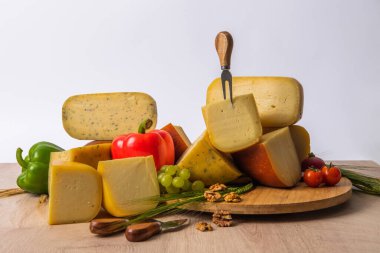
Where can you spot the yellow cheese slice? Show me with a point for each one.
(129, 185)
(75, 193)
(89, 155)
(279, 100)
(104, 116)
(207, 163)
(233, 126)
(272, 162)
(301, 140)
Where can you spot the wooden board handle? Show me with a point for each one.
(142, 231)
(224, 44)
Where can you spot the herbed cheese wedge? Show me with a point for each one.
(89, 155)
(279, 99)
(233, 126)
(75, 193)
(207, 163)
(300, 137)
(272, 162)
(180, 139)
(104, 116)
(129, 185)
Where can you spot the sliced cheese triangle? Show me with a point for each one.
(272, 162)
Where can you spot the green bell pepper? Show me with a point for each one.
(35, 167)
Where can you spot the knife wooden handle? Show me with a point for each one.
(107, 226)
(224, 44)
(142, 231)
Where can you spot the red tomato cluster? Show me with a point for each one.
(318, 173)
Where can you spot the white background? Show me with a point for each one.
(50, 50)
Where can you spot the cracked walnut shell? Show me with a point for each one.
(222, 218)
(212, 196)
(203, 226)
(232, 197)
(217, 187)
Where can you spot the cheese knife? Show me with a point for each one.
(143, 231)
(139, 231)
(224, 44)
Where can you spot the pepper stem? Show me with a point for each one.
(19, 158)
(146, 124)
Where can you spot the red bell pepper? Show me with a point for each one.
(158, 143)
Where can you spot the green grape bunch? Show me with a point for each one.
(174, 179)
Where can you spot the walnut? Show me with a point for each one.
(203, 226)
(222, 218)
(212, 196)
(232, 197)
(217, 187)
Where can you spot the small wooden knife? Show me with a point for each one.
(143, 231)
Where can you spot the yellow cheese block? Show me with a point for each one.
(301, 140)
(207, 163)
(129, 185)
(89, 155)
(104, 116)
(279, 100)
(75, 193)
(272, 162)
(233, 127)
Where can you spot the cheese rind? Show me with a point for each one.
(103, 116)
(207, 163)
(272, 162)
(279, 99)
(129, 185)
(233, 126)
(89, 155)
(180, 139)
(75, 193)
(301, 140)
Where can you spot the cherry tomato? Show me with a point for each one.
(331, 175)
(313, 177)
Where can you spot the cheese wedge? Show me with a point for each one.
(104, 116)
(75, 193)
(301, 140)
(89, 155)
(129, 185)
(180, 139)
(272, 162)
(233, 127)
(279, 100)
(207, 163)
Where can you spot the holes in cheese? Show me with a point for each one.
(207, 163)
(233, 127)
(128, 184)
(301, 140)
(104, 116)
(75, 193)
(279, 100)
(272, 162)
(180, 139)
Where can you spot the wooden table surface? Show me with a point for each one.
(351, 227)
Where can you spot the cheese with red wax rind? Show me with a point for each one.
(300, 137)
(273, 161)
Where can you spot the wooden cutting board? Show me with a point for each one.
(265, 200)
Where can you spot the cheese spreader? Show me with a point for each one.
(224, 44)
(143, 231)
(134, 232)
